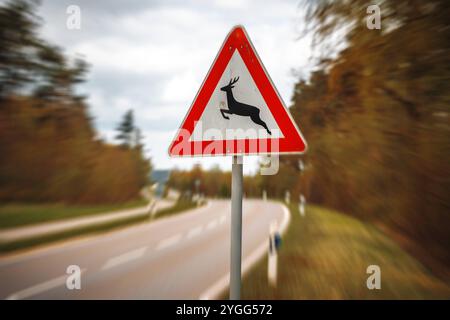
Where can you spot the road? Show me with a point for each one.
(185, 256)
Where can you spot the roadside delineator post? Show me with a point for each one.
(301, 208)
(287, 197)
(151, 208)
(273, 254)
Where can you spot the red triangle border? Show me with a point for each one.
(292, 142)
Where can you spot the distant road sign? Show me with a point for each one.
(237, 110)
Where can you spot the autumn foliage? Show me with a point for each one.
(376, 118)
(49, 150)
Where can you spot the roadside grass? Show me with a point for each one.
(325, 254)
(19, 215)
(28, 243)
(53, 237)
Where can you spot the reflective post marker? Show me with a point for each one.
(273, 255)
(236, 228)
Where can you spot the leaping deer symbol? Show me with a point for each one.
(239, 108)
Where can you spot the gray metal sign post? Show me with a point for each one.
(236, 228)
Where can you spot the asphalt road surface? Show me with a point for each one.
(185, 256)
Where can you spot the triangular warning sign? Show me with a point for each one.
(237, 110)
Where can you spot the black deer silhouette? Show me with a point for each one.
(241, 109)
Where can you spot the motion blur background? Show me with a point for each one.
(87, 125)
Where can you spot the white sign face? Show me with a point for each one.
(213, 123)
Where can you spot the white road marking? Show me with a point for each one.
(168, 242)
(214, 291)
(194, 232)
(39, 288)
(87, 241)
(124, 258)
(211, 225)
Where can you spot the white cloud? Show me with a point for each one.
(181, 88)
(152, 58)
(227, 4)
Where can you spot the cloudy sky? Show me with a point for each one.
(152, 56)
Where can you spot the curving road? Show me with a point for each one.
(180, 257)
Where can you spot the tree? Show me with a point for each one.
(126, 130)
(48, 148)
(30, 64)
(138, 139)
(376, 119)
(18, 25)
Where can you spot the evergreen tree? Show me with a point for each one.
(30, 64)
(138, 138)
(50, 153)
(126, 130)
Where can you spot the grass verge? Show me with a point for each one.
(98, 228)
(325, 254)
(35, 241)
(19, 215)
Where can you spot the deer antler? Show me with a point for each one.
(233, 81)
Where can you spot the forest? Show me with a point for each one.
(376, 119)
(50, 150)
(375, 116)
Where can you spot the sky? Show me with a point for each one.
(152, 56)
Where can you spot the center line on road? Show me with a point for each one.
(222, 219)
(163, 244)
(39, 288)
(194, 232)
(124, 258)
(211, 225)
